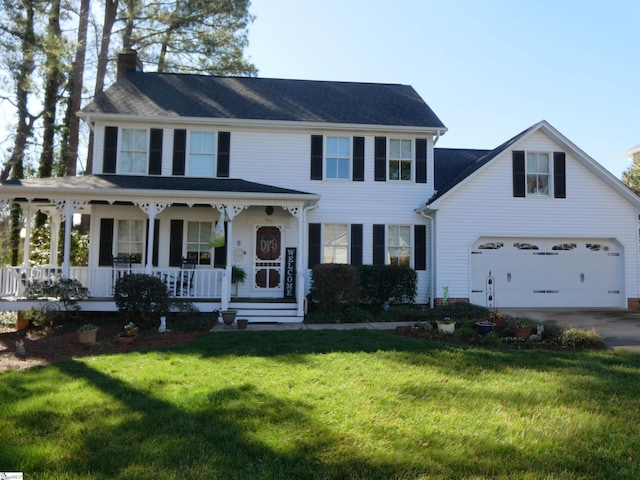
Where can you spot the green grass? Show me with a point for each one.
(325, 405)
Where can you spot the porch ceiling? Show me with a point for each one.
(127, 188)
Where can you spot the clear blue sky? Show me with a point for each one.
(489, 69)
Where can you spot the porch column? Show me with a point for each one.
(68, 208)
(151, 209)
(298, 213)
(56, 221)
(230, 211)
(26, 247)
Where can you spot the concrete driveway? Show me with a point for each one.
(618, 328)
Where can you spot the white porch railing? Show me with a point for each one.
(190, 284)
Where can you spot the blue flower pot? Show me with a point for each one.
(485, 328)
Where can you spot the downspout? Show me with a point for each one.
(432, 256)
(436, 138)
(300, 296)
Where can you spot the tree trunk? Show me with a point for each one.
(110, 11)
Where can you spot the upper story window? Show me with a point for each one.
(336, 243)
(198, 249)
(338, 157)
(130, 240)
(399, 245)
(538, 173)
(202, 154)
(133, 151)
(400, 159)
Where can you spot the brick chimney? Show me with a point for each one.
(128, 61)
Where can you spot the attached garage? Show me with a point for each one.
(547, 272)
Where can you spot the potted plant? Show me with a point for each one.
(522, 328)
(238, 275)
(446, 326)
(228, 317)
(128, 334)
(87, 334)
(485, 327)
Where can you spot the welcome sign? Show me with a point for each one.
(290, 273)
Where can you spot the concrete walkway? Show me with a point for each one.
(618, 328)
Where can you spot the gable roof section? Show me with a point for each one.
(124, 186)
(456, 166)
(251, 98)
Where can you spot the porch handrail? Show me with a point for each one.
(207, 283)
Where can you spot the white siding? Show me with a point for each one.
(485, 206)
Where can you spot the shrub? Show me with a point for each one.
(141, 295)
(459, 312)
(465, 332)
(68, 291)
(576, 338)
(387, 283)
(334, 285)
(339, 315)
(402, 313)
(491, 339)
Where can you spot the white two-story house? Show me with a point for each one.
(308, 172)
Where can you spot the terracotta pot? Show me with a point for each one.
(123, 339)
(242, 323)
(523, 333)
(87, 337)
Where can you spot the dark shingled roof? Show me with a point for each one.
(251, 98)
(453, 165)
(134, 182)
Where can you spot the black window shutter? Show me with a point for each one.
(420, 248)
(155, 151)
(316, 157)
(156, 242)
(106, 242)
(110, 151)
(356, 244)
(358, 159)
(224, 150)
(314, 244)
(220, 253)
(519, 174)
(378, 245)
(421, 160)
(179, 151)
(175, 243)
(380, 159)
(559, 175)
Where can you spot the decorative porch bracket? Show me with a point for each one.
(151, 210)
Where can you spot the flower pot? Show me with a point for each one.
(87, 337)
(125, 339)
(485, 328)
(242, 323)
(522, 332)
(228, 317)
(446, 327)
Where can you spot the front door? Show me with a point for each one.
(268, 259)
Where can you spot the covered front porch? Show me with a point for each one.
(161, 224)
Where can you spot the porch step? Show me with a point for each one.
(267, 312)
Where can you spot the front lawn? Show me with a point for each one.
(357, 404)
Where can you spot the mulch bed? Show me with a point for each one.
(476, 340)
(44, 347)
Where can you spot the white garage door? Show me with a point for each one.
(581, 273)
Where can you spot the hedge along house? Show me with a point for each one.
(302, 172)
